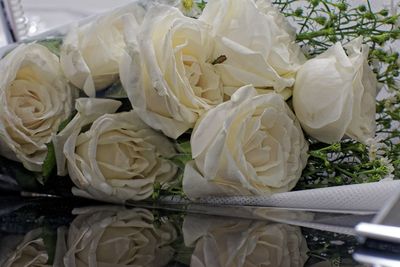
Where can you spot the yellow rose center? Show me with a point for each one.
(192, 70)
(187, 4)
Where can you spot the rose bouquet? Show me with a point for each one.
(196, 99)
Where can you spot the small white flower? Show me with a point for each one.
(306, 49)
(386, 162)
(394, 11)
(188, 7)
(375, 148)
(376, 64)
(390, 102)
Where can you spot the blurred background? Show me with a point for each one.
(36, 16)
(33, 17)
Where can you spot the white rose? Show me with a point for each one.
(250, 145)
(119, 158)
(118, 237)
(91, 53)
(168, 73)
(335, 94)
(237, 243)
(258, 43)
(35, 99)
(88, 110)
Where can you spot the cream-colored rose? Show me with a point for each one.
(258, 43)
(119, 158)
(35, 99)
(88, 110)
(235, 243)
(168, 71)
(91, 53)
(250, 145)
(335, 94)
(118, 237)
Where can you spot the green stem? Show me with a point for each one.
(345, 172)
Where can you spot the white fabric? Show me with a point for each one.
(363, 197)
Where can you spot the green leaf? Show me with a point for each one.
(184, 147)
(49, 236)
(116, 90)
(27, 180)
(180, 160)
(66, 121)
(202, 4)
(54, 45)
(49, 164)
(184, 154)
(184, 254)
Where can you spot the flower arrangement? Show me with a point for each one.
(224, 98)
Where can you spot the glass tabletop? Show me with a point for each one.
(55, 232)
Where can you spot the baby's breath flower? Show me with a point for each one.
(390, 103)
(376, 64)
(188, 7)
(393, 11)
(388, 167)
(375, 147)
(306, 49)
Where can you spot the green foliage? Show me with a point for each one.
(201, 4)
(116, 91)
(27, 180)
(53, 44)
(49, 236)
(49, 164)
(183, 156)
(329, 247)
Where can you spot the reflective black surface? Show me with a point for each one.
(55, 232)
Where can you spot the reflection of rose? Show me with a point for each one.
(118, 237)
(34, 100)
(237, 243)
(30, 251)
